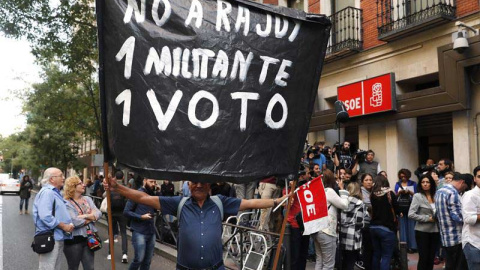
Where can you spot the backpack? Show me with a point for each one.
(215, 199)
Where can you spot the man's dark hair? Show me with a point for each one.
(370, 151)
(448, 163)
(456, 176)
(476, 170)
(119, 175)
(468, 178)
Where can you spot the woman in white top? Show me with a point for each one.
(326, 239)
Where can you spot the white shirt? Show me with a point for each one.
(470, 209)
(334, 202)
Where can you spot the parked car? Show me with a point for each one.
(10, 185)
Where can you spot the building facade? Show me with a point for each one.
(436, 88)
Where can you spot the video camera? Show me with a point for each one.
(360, 155)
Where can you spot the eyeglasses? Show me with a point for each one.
(79, 184)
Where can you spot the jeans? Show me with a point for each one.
(407, 231)
(122, 223)
(22, 201)
(427, 245)
(455, 259)
(325, 248)
(472, 255)
(383, 243)
(77, 253)
(50, 261)
(143, 244)
(299, 249)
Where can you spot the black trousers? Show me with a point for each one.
(455, 259)
(427, 244)
(349, 257)
(367, 249)
(299, 249)
(121, 220)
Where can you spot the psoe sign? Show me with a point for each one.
(370, 96)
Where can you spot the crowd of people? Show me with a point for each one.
(435, 214)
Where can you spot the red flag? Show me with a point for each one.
(313, 203)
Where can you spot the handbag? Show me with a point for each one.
(94, 242)
(103, 206)
(44, 242)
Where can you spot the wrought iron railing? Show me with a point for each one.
(399, 15)
(346, 30)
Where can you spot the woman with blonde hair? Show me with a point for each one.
(84, 214)
(352, 220)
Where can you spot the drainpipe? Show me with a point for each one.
(475, 133)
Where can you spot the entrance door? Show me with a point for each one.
(435, 137)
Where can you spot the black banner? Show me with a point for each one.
(207, 90)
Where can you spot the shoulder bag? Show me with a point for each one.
(44, 242)
(94, 241)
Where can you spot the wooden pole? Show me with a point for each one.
(109, 214)
(284, 224)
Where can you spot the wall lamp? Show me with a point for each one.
(460, 42)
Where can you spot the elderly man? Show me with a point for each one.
(200, 221)
(60, 222)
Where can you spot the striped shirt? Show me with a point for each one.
(448, 204)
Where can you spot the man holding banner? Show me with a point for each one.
(200, 221)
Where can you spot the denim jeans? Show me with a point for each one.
(472, 255)
(143, 244)
(383, 243)
(22, 201)
(77, 253)
(407, 231)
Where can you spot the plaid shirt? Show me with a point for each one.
(448, 205)
(352, 221)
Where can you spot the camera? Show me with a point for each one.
(361, 155)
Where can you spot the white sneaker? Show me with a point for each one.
(107, 241)
(115, 240)
(124, 258)
(109, 257)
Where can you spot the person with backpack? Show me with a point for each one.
(118, 203)
(200, 220)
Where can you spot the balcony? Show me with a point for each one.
(399, 18)
(346, 33)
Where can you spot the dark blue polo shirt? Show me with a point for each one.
(200, 229)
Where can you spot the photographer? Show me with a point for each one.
(315, 156)
(328, 153)
(424, 168)
(364, 164)
(343, 157)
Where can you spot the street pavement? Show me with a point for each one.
(17, 235)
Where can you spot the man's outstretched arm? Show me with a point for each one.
(131, 194)
(261, 203)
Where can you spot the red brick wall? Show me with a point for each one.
(314, 6)
(465, 7)
(370, 32)
(271, 2)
